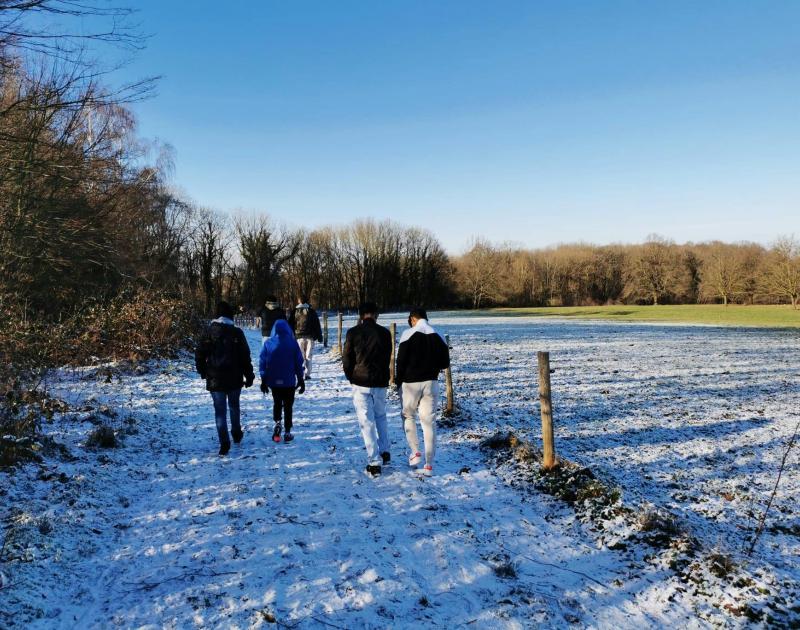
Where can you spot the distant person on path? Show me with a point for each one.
(281, 369)
(421, 355)
(270, 313)
(366, 356)
(305, 325)
(222, 358)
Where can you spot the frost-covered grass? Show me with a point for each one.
(160, 532)
(771, 316)
(692, 419)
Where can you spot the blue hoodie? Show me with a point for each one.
(281, 362)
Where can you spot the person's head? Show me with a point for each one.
(281, 329)
(368, 310)
(270, 300)
(302, 299)
(224, 310)
(417, 313)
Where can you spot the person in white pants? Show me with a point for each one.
(370, 404)
(307, 350)
(366, 356)
(421, 355)
(304, 322)
(420, 399)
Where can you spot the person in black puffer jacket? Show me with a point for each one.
(366, 356)
(222, 358)
(270, 313)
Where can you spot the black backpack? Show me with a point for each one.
(225, 349)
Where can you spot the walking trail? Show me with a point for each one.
(164, 533)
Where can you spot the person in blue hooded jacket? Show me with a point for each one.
(281, 368)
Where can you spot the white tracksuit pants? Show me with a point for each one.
(421, 398)
(370, 404)
(307, 348)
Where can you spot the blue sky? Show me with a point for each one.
(531, 122)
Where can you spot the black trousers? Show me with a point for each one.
(283, 400)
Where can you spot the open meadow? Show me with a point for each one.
(756, 315)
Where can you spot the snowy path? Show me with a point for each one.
(298, 535)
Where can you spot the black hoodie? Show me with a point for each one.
(421, 355)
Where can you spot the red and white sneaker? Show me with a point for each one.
(427, 471)
(414, 458)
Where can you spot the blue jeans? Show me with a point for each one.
(222, 401)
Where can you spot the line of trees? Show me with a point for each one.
(658, 271)
(83, 211)
(247, 257)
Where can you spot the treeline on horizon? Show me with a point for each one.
(245, 258)
(657, 271)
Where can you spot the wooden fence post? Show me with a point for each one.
(393, 332)
(546, 406)
(324, 329)
(448, 382)
(339, 334)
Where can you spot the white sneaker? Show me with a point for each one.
(426, 470)
(414, 458)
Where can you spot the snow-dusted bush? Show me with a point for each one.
(134, 326)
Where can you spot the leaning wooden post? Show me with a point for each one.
(339, 334)
(545, 403)
(448, 382)
(324, 329)
(393, 332)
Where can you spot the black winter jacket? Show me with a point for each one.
(223, 358)
(304, 322)
(367, 354)
(421, 355)
(268, 318)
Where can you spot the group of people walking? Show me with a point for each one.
(421, 355)
(222, 358)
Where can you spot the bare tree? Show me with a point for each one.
(655, 270)
(209, 251)
(478, 273)
(606, 274)
(265, 249)
(723, 274)
(57, 28)
(782, 274)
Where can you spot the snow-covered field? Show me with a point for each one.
(163, 533)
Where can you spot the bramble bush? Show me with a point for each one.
(134, 326)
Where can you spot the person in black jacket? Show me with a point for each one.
(304, 322)
(222, 358)
(365, 360)
(270, 313)
(421, 355)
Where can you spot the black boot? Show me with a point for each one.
(224, 448)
